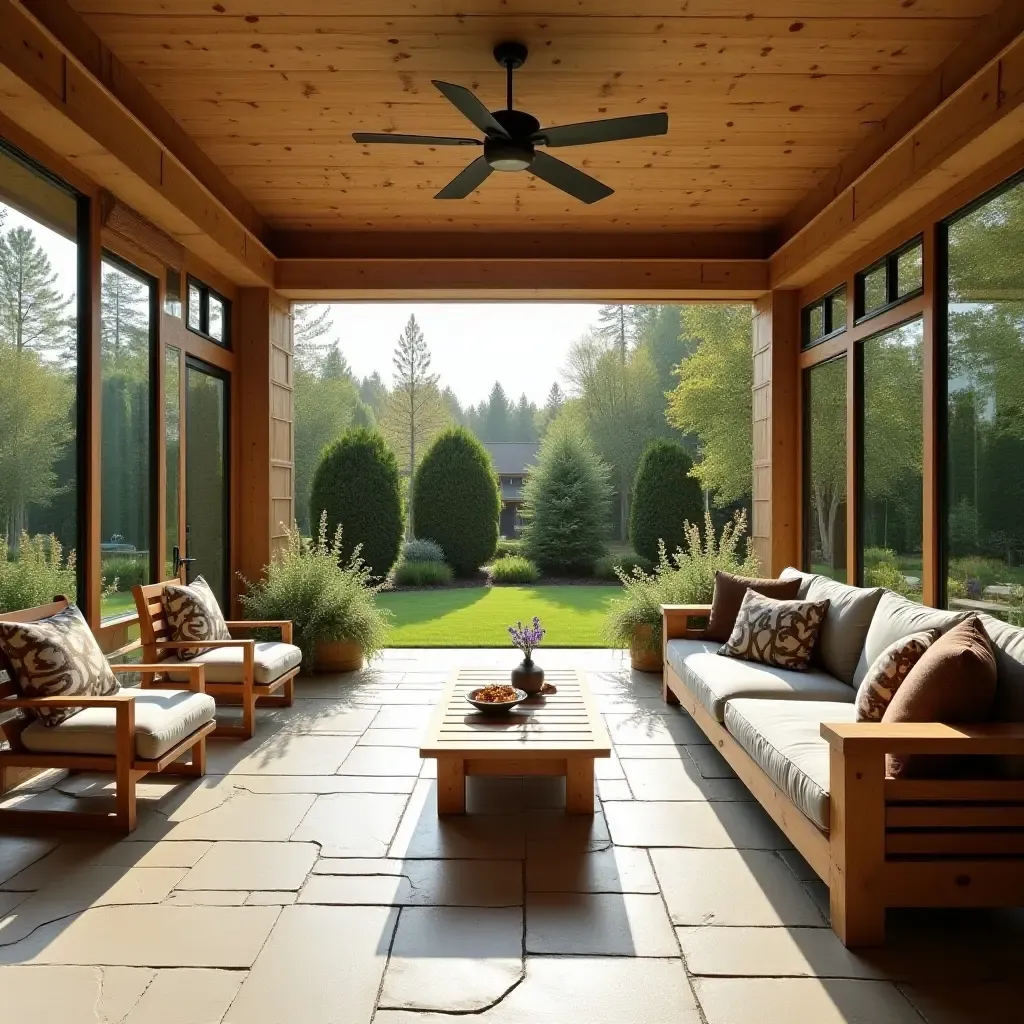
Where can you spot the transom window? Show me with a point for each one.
(895, 278)
(825, 318)
(208, 312)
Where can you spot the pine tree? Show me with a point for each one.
(334, 365)
(33, 313)
(415, 409)
(555, 399)
(525, 422)
(310, 323)
(496, 425)
(616, 324)
(374, 393)
(124, 321)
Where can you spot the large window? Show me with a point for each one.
(172, 455)
(39, 494)
(825, 469)
(126, 352)
(984, 520)
(893, 439)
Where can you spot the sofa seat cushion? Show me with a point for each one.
(784, 739)
(162, 719)
(714, 680)
(226, 664)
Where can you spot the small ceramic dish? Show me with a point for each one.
(489, 707)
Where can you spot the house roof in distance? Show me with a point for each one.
(512, 457)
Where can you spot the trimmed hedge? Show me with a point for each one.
(456, 500)
(423, 574)
(508, 546)
(664, 497)
(565, 504)
(357, 483)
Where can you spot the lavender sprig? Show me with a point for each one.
(527, 638)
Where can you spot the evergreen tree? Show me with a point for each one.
(524, 426)
(617, 326)
(334, 365)
(497, 419)
(374, 393)
(311, 322)
(124, 321)
(451, 402)
(34, 315)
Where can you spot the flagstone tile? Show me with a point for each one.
(149, 936)
(331, 716)
(598, 990)
(601, 924)
(956, 1002)
(651, 751)
(398, 717)
(382, 761)
(321, 784)
(295, 753)
(551, 868)
(246, 817)
(72, 995)
(352, 824)
(574, 833)
(608, 767)
(321, 965)
(678, 780)
(709, 761)
(18, 852)
(802, 1001)
(251, 866)
(644, 728)
(206, 898)
(391, 737)
(732, 887)
(270, 899)
(452, 958)
(189, 996)
(614, 789)
(661, 823)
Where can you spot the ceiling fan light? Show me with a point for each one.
(506, 155)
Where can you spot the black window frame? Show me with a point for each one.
(205, 292)
(890, 262)
(826, 304)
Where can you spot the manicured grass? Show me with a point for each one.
(118, 603)
(480, 616)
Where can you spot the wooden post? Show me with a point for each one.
(775, 528)
(451, 785)
(579, 785)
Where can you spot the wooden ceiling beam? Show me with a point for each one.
(607, 280)
(57, 98)
(963, 116)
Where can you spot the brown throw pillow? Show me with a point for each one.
(888, 671)
(954, 682)
(779, 633)
(193, 614)
(729, 592)
(56, 657)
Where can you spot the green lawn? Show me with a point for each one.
(480, 616)
(118, 603)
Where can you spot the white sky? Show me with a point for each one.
(522, 344)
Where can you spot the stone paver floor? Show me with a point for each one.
(307, 880)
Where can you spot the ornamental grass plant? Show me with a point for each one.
(514, 569)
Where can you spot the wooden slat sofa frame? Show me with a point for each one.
(125, 766)
(891, 842)
(157, 643)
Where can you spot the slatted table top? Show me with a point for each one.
(564, 723)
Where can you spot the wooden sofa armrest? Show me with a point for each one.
(675, 619)
(924, 738)
(196, 673)
(285, 625)
(184, 645)
(113, 700)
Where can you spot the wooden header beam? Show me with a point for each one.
(610, 280)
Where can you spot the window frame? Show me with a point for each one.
(825, 303)
(203, 330)
(890, 262)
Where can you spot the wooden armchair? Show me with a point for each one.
(124, 760)
(248, 679)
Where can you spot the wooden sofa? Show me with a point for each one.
(124, 761)
(244, 687)
(889, 842)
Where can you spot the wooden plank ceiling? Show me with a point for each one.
(764, 97)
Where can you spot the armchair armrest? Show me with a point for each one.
(675, 619)
(924, 738)
(196, 672)
(114, 700)
(184, 645)
(285, 625)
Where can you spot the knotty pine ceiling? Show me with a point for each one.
(764, 98)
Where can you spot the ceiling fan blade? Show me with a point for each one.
(469, 106)
(466, 181)
(579, 185)
(413, 140)
(612, 129)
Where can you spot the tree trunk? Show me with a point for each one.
(824, 531)
(832, 512)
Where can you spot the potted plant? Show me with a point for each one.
(330, 602)
(685, 577)
(527, 676)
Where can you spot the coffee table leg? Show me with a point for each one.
(451, 785)
(579, 785)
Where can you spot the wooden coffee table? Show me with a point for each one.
(560, 734)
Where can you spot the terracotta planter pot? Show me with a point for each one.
(640, 656)
(337, 656)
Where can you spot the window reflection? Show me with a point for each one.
(985, 408)
(172, 443)
(875, 294)
(825, 469)
(893, 452)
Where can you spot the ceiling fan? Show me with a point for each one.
(511, 138)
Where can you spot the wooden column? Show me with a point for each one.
(776, 413)
(90, 444)
(264, 421)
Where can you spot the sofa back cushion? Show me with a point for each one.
(850, 611)
(895, 617)
(1008, 644)
(791, 573)
(729, 593)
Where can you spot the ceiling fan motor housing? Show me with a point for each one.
(516, 152)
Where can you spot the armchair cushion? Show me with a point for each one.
(56, 657)
(163, 718)
(226, 664)
(193, 614)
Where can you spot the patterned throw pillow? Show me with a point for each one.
(56, 657)
(888, 671)
(779, 633)
(193, 614)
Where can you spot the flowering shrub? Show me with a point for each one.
(35, 574)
